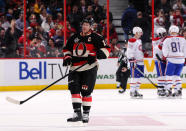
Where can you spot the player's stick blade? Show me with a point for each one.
(11, 100)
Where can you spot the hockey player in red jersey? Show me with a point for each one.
(81, 48)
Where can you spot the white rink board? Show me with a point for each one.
(18, 72)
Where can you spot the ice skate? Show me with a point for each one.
(85, 118)
(136, 95)
(177, 94)
(168, 93)
(161, 92)
(76, 120)
(122, 90)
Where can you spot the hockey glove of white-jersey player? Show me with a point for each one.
(67, 60)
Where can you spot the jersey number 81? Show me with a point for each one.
(175, 47)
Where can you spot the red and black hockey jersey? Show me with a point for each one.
(79, 47)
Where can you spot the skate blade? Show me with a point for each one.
(85, 124)
(176, 97)
(76, 124)
(136, 97)
(162, 97)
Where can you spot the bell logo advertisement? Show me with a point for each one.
(39, 72)
(33, 73)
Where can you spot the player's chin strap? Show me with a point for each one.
(148, 79)
(21, 102)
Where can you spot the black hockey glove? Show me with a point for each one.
(67, 60)
(100, 54)
(162, 60)
(91, 59)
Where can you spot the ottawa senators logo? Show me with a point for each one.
(80, 49)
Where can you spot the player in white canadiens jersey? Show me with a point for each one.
(174, 49)
(135, 56)
(159, 62)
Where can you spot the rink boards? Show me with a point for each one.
(35, 74)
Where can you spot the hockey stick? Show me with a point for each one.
(149, 79)
(158, 57)
(14, 101)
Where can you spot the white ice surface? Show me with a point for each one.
(110, 111)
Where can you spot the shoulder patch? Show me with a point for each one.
(156, 39)
(132, 40)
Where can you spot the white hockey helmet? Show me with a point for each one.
(161, 32)
(137, 29)
(174, 29)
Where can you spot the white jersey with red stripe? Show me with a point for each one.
(158, 48)
(134, 50)
(155, 43)
(174, 49)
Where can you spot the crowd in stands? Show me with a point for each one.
(45, 26)
(138, 13)
(170, 12)
(167, 13)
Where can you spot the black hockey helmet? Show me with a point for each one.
(88, 20)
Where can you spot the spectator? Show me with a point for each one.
(128, 19)
(59, 40)
(144, 24)
(165, 6)
(2, 42)
(75, 18)
(70, 30)
(148, 11)
(11, 37)
(51, 50)
(37, 49)
(82, 8)
(178, 19)
(2, 7)
(38, 7)
(97, 28)
(97, 10)
(20, 22)
(20, 44)
(59, 19)
(48, 24)
(113, 39)
(33, 21)
(6, 22)
(2, 37)
(90, 13)
(179, 5)
(43, 15)
(104, 14)
(159, 21)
